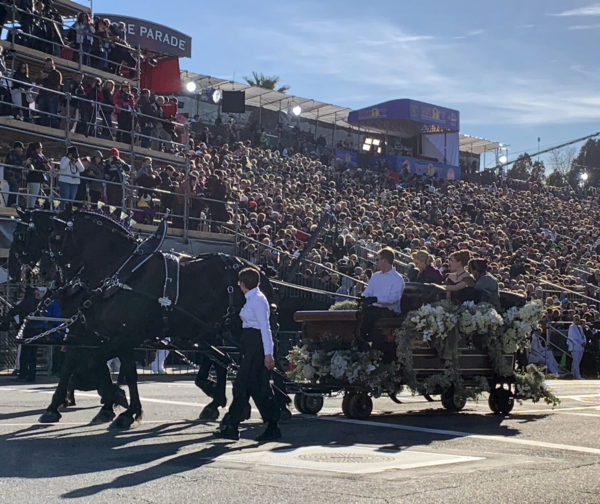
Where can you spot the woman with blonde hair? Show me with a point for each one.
(427, 273)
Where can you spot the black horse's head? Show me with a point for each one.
(90, 241)
(30, 243)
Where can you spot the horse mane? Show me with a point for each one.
(110, 221)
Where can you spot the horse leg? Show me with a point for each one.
(134, 412)
(107, 391)
(214, 390)
(70, 362)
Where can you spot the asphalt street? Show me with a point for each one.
(404, 453)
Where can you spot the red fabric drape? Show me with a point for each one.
(164, 78)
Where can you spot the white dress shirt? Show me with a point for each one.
(387, 288)
(255, 315)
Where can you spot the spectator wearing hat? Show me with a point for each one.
(114, 174)
(426, 272)
(69, 176)
(96, 171)
(13, 172)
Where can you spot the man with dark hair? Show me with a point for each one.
(48, 97)
(252, 378)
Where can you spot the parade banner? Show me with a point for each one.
(152, 36)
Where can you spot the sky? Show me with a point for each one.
(517, 70)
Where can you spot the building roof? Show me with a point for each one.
(311, 109)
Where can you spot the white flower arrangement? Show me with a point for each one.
(434, 321)
(478, 318)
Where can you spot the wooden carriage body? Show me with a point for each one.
(345, 326)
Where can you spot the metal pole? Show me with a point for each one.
(68, 119)
(333, 131)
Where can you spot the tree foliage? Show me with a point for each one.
(266, 82)
(587, 161)
(526, 169)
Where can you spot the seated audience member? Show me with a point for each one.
(540, 355)
(485, 284)
(427, 273)
(459, 282)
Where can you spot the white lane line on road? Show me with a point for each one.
(89, 394)
(558, 410)
(484, 437)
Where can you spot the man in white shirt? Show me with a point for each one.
(576, 343)
(385, 287)
(256, 346)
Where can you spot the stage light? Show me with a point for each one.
(191, 87)
(216, 95)
(297, 110)
(584, 176)
(502, 159)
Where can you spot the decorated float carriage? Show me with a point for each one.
(435, 347)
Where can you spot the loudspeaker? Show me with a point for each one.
(234, 101)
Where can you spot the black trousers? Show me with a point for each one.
(369, 332)
(252, 380)
(28, 362)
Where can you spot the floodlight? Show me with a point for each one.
(216, 95)
(297, 110)
(191, 86)
(584, 176)
(502, 159)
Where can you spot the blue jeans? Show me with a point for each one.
(48, 106)
(67, 193)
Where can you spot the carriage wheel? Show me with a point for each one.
(312, 404)
(360, 406)
(451, 401)
(299, 401)
(501, 401)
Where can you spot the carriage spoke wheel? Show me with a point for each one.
(501, 401)
(312, 404)
(299, 399)
(358, 406)
(346, 404)
(451, 401)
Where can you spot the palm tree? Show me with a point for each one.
(266, 82)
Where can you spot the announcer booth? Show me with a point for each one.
(408, 136)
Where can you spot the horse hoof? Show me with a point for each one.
(246, 412)
(285, 416)
(209, 413)
(122, 422)
(103, 416)
(50, 417)
(121, 399)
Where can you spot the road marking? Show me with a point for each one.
(484, 437)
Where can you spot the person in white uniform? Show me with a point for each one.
(539, 354)
(256, 347)
(576, 343)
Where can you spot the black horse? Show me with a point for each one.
(123, 314)
(31, 248)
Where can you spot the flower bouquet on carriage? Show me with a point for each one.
(458, 351)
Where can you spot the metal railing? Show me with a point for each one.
(94, 117)
(18, 36)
